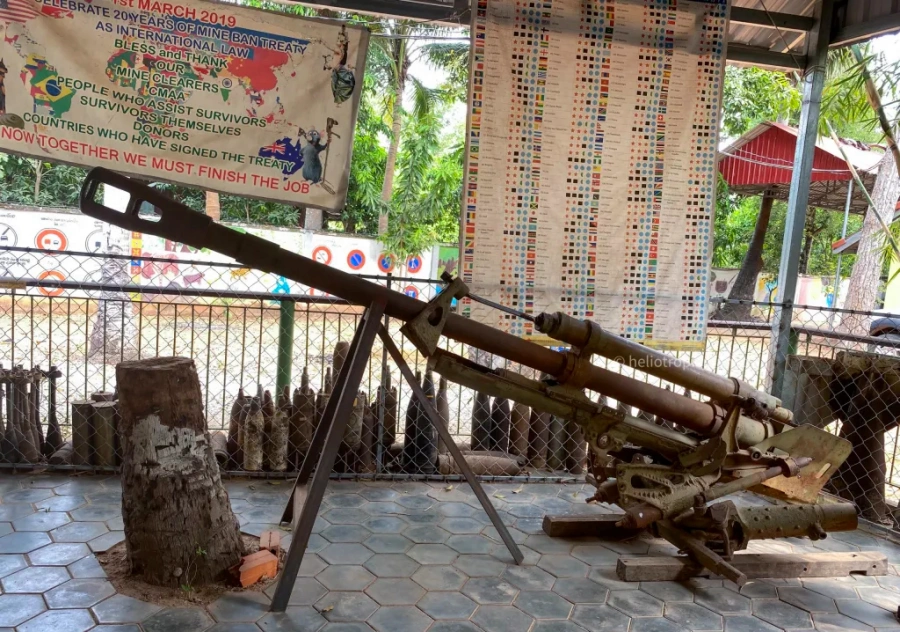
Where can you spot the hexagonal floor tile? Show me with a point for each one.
(529, 578)
(5, 528)
(432, 554)
(595, 555)
(546, 545)
(123, 609)
(79, 593)
(447, 605)
(462, 526)
(658, 624)
(42, 521)
(887, 599)
(87, 568)
(806, 599)
(294, 619)
(346, 516)
(426, 534)
(385, 524)
(563, 566)
(79, 532)
(9, 512)
(693, 617)
(418, 503)
(9, 564)
(36, 579)
(600, 618)
(59, 554)
(106, 541)
(400, 619)
(867, 613)
(24, 542)
(388, 543)
(543, 605)
(399, 591)
(489, 590)
(479, 565)
(61, 503)
(833, 587)
(219, 627)
(581, 590)
(240, 607)
(391, 565)
(345, 553)
(454, 626)
(81, 487)
(746, 623)
(722, 600)
(349, 626)
(60, 621)
(474, 544)
(636, 603)
(97, 513)
(346, 606)
(16, 609)
(668, 591)
(440, 577)
(345, 578)
(306, 592)
(781, 614)
(180, 619)
(345, 500)
(376, 494)
(26, 496)
(838, 623)
(346, 533)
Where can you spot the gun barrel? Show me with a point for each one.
(178, 222)
(590, 336)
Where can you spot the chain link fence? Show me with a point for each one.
(61, 340)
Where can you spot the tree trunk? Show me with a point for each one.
(866, 275)
(745, 283)
(387, 187)
(38, 176)
(179, 527)
(809, 234)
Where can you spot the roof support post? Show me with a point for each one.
(798, 198)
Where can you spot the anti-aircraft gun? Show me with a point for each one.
(664, 473)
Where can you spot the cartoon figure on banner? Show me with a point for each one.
(6, 119)
(313, 167)
(342, 80)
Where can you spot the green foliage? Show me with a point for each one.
(60, 185)
(753, 95)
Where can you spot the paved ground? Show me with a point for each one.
(408, 557)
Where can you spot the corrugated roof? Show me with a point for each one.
(762, 160)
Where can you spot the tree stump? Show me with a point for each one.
(179, 527)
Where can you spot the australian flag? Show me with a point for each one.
(285, 149)
(18, 10)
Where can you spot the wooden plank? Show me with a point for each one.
(590, 525)
(756, 566)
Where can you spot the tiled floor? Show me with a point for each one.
(409, 557)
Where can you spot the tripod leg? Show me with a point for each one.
(451, 446)
(352, 373)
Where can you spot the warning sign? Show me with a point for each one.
(356, 259)
(322, 254)
(53, 275)
(411, 291)
(51, 239)
(413, 264)
(386, 262)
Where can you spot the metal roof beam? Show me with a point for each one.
(403, 9)
(756, 56)
(856, 33)
(782, 21)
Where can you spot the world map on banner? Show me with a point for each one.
(590, 174)
(221, 97)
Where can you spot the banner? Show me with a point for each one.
(591, 163)
(209, 95)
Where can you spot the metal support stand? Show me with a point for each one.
(305, 499)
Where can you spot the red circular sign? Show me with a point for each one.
(356, 259)
(53, 275)
(386, 262)
(322, 254)
(51, 239)
(411, 291)
(413, 264)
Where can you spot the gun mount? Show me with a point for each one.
(663, 473)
